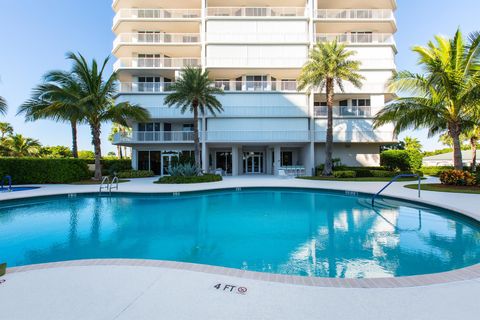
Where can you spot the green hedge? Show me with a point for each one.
(38, 170)
(345, 174)
(186, 180)
(401, 160)
(110, 166)
(135, 174)
(434, 171)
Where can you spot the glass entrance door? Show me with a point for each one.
(167, 163)
(224, 161)
(253, 162)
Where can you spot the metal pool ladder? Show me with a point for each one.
(395, 179)
(106, 185)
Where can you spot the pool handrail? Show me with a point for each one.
(395, 179)
(105, 184)
(9, 179)
(110, 186)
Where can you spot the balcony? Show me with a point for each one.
(241, 62)
(144, 87)
(258, 136)
(255, 12)
(354, 112)
(156, 63)
(153, 137)
(358, 136)
(157, 38)
(156, 14)
(357, 38)
(355, 14)
(254, 37)
(257, 86)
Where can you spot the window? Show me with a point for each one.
(289, 84)
(149, 60)
(256, 83)
(362, 106)
(361, 37)
(223, 84)
(149, 84)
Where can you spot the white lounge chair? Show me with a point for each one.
(282, 174)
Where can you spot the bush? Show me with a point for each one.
(37, 170)
(131, 174)
(401, 160)
(185, 180)
(457, 178)
(111, 166)
(344, 174)
(382, 173)
(184, 170)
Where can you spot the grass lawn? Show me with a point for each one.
(443, 188)
(365, 179)
(92, 182)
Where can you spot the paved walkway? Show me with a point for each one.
(143, 292)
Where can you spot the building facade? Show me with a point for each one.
(254, 50)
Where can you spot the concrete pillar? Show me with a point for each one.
(205, 158)
(277, 159)
(235, 161)
(134, 159)
(269, 160)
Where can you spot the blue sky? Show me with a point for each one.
(37, 34)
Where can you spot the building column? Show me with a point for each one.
(134, 159)
(203, 135)
(277, 159)
(235, 161)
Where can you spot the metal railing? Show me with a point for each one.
(240, 62)
(395, 179)
(338, 111)
(256, 12)
(256, 86)
(356, 38)
(259, 135)
(160, 63)
(229, 37)
(359, 135)
(157, 14)
(145, 87)
(354, 14)
(157, 38)
(9, 180)
(154, 136)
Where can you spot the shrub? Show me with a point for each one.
(131, 174)
(184, 170)
(111, 166)
(382, 173)
(401, 160)
(457, 178)
(344, 174)
(185, 180)
(37, 170)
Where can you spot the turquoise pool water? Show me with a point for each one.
(298, 232)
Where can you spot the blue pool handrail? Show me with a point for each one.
(9, 179)
(395, 179)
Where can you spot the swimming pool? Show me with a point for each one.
(286, 231)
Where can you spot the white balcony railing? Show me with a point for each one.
(156, 14)
(359, 135)
(264, 111)
(256, 12)
(354, 14)
(257, 86)
(157, 38)
(258, 135)
(357, 38)
(321, 111)
(154, 136)
(144, 87)
(282, 37)
(273, 62)
(156, 63)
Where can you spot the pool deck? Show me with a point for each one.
(136, 289)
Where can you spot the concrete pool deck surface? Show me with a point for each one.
(114, 289)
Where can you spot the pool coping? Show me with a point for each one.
(464, 274)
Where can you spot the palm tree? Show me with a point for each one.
(195, 92)
(20, 146)
(3, 106)
(444, 97)
(6, 129)
(473, 136)
(329, 64)
(96, 96)
(412, 144)
(118, 128)
(56, 99)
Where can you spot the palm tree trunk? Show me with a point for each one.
(457, 146)
(95, 128)
(473, 143)
(120, 152)
(196, 139)
(74, 139)
(327, 170)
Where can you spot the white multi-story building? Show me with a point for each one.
(254, 50)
